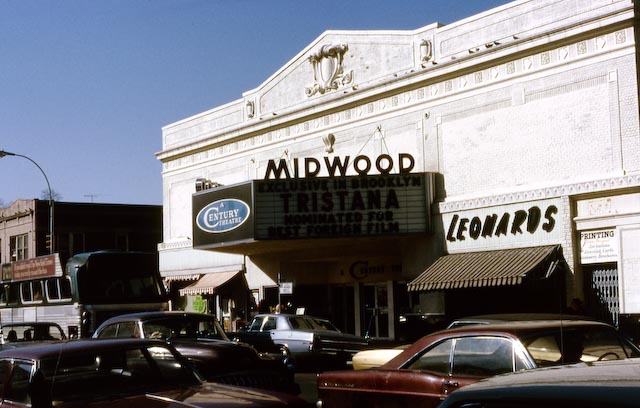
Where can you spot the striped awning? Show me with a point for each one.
(174, 278)
(489, 268)
(209, 283)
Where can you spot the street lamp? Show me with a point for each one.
(5, 153)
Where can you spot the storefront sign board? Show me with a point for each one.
(598, 246)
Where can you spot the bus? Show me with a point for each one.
(92, 287)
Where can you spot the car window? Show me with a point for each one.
(108, 332)
(434, 359)
(269, 323)
(256, 323)
(482, 356)
(107, 373)
(127, 330)
(17, 388)
(183, 327)
(581, 344)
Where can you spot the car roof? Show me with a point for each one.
(510, 317)
(155, 315)
(47, 350)
(514, 328)
(30, 324)
(519, 326)
(579, 382)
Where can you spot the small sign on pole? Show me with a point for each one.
(286, 288)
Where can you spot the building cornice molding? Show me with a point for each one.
(204, 151)
(279, 121)
(585, 187)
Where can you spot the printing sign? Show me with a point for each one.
(223, 215)
(598, 246)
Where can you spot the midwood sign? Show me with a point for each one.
(338, 167)
(285, 205)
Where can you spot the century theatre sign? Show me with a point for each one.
(325, 203)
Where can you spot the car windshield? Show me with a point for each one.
(181, 327)
(575, 345)
(113, 372)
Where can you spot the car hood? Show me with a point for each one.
(205, 395)
(225, 354)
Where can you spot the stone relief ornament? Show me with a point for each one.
(328, 72)
(251, 109)
(426, 51)
(328, 141)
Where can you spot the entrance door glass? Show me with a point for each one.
(375, 310)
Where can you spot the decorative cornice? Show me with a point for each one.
(526, 65)
(592, 186)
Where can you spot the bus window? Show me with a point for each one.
(4, 292)
(58, 289)
(31, 292)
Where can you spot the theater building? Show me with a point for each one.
(487, 165)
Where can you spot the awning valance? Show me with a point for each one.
(174, 278)
(489, 268)
(210, 283)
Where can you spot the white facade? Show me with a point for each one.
(532, 102)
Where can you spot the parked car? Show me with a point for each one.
(440, 363)
(201, 340)
(366, 359)
(115, 373)
(308, 342)
(22, 334)
(377, 357)
(611, 384)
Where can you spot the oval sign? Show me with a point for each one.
(223, 215)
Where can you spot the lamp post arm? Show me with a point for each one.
(41, 171)
(5, 153)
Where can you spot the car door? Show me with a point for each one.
(418, 384)
(15, 392)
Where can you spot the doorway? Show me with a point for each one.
(375, 310)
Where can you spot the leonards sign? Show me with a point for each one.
(338, 167)
(492, 225)
(223, 215)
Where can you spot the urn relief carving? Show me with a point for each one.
(328, 71)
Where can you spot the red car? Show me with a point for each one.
(440, 363)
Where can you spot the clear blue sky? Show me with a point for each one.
(85, 86)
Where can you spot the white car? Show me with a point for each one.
(375, 358)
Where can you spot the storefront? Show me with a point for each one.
(352, 181)
(332, 244)
(609, 233)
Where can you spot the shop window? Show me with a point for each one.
(19, 247)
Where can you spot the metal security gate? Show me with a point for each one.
(604, 301)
